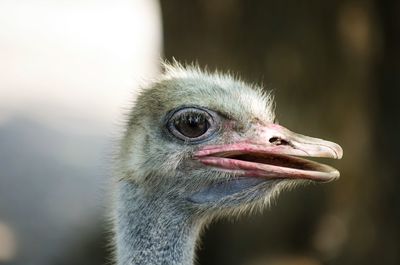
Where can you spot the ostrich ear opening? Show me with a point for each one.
(219, 191)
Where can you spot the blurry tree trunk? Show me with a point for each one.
(387, 136)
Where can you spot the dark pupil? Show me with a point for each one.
(192, 125)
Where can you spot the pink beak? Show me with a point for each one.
(273, 152)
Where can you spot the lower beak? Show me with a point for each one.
(274, 152)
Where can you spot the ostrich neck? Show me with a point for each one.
(151, 230)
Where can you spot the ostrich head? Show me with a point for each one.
(209, 144)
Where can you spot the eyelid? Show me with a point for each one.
(224, 115)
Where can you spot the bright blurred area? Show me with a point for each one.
(69, 71)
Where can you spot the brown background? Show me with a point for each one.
(334, 68)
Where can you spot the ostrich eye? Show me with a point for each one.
(192, 124)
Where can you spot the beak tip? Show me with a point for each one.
(338, 151)
(337, 174)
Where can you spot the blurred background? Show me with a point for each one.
(70, 69)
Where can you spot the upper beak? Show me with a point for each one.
(272, 152)
(284, 141)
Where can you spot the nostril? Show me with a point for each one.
(273, 139)
(278, 141)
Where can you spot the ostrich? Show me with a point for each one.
(197, 146)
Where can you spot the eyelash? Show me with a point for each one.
(190, 115)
